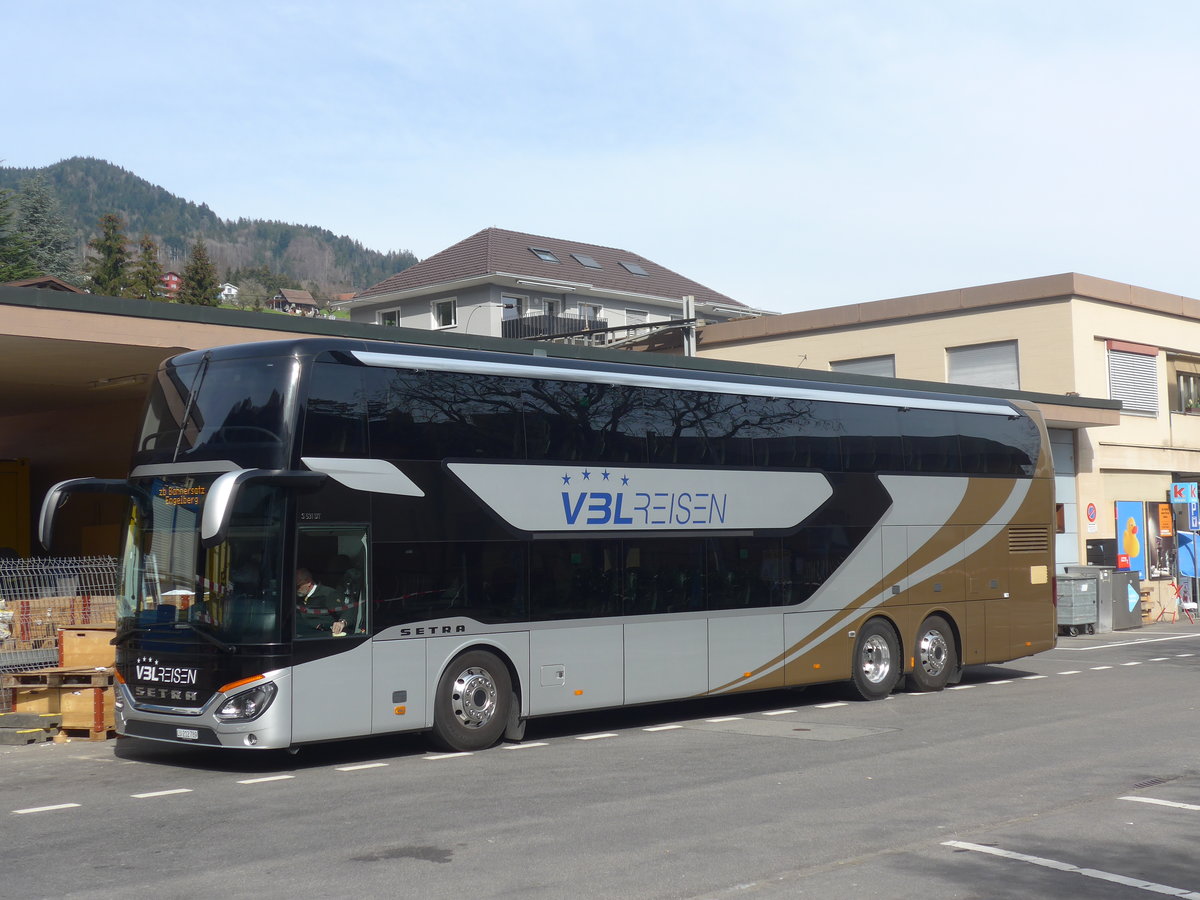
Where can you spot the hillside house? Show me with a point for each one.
(515, 285)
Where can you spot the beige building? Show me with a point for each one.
(1057, 335)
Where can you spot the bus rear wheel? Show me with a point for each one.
(875, 670)
(471, 707)
(936, 658)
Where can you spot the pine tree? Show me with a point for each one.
(16, 256)
(145, 277)
(108, 270)
(42, 224)
(199, 278)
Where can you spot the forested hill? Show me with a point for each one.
(311, 257)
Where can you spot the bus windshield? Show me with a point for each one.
(170, 585)
(233, 411)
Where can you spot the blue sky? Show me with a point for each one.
(792, 155)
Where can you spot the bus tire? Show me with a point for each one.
(875, 669)
(935, 658)
(471, 707)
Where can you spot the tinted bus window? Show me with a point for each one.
(435, 415)
(335, 419)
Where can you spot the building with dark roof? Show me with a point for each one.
(511, 284)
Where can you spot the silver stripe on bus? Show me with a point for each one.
(376, 476)
(681, 383)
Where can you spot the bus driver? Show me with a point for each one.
(317, 607)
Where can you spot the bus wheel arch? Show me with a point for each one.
(936, 654)
(877, 663)
(475, 699)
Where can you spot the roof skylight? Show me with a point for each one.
(584, 260)
(633, 268)
(543, 254)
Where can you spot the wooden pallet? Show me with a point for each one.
(82, 697)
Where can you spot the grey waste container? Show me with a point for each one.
(1126, 600)
(1077, 603)
(1113, 597)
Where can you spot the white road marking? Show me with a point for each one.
(361, 766)
(1033, 677)
(1100, 668)
(1174, 637)
(161, 793)
(268, 778)
(596, 737)
(832, 705)
(779, 712)
(1060, 866)
(1160, 659)
(1172, 803)
(1182, 655)
(1131, 663)
(1005, 681)
(960, 687)
(38, 809)
(725, 719)
(1070, 672)
(445, 755)
(525, 746)
(662, 728)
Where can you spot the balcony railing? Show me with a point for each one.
(548, 326)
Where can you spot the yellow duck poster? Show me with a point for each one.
(1131, 532)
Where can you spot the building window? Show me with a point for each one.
(552, 307)
(987, 365)
(445, 313)
(1189, 391)
(543, 254)
(884, 366)
(634, 317)
(591, 312)
(1133, 377)
(391, 317)
(514, 307)
(1183, 384)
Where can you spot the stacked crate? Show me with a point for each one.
(77, 694)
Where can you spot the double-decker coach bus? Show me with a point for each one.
(330, 538)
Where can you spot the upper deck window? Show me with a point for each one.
(226, 409)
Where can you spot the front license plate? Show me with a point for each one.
(187, 734)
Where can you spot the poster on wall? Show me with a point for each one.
(1131, 531)
(1159, 544)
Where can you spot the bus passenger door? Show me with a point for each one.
(332, 648)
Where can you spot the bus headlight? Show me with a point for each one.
(247, 705)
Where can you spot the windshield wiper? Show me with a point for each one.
(208, 636)
(125, 635)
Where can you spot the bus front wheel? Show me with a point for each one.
(876, 666)
(936, 658)
(471, 708)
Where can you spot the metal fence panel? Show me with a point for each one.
(40, 595)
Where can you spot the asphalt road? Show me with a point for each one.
(1072, 774)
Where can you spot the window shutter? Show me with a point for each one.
(1133, 379)
(869, 365)
(987, 365)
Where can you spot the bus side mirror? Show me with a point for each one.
(57, 496)
(222, 496)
